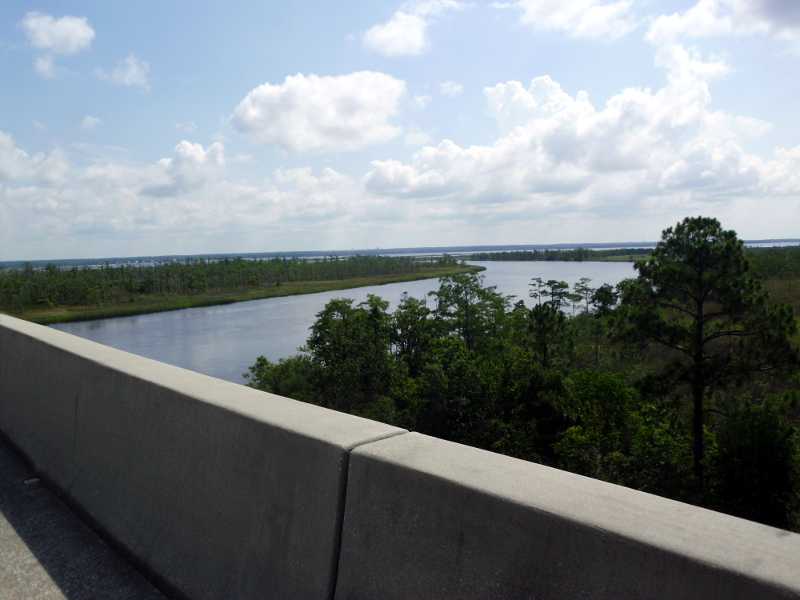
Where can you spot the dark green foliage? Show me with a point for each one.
(601, 405)
(48, 287)
(604, 299)
(756, 465)
(780, 262)
(581, 381)
(775, 263)
(622, 438)
(453, 400)
(583, 293)
(413, 333)
(468, 309)
(696, 298)
(549, 341)
(575, 254)
(288, 377)
(350, 348)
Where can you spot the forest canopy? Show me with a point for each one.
(682, 381)
(50, 286)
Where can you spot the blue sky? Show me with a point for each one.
(151, 128)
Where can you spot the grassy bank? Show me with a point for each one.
(152, 303)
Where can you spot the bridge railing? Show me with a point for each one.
(221, 491)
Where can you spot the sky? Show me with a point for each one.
(143, 128)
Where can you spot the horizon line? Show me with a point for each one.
(380, 250)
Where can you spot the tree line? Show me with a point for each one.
(780, 262)
(682, 381)
(83, 286)
(572, 254)
(775, 263)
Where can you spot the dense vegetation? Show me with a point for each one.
(681, 382)
(770, 263)
(775, 263)
(573, 254)
(122, 289)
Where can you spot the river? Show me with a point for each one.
(223, 341)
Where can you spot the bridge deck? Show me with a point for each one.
(47, 552)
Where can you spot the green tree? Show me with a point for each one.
(757, 463)
(695, 296)
(454, 400)
(604, 299)
(584, 292)
(549, 337)
(350, 348)
(537, 289)
(474, 312)
(558, 293)
(601, 406)
(291, 377)
(413, 331)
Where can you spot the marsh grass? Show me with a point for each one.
(153, 303)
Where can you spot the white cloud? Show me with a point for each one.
(191, 167)
(322, 113)
(782, 174)
(559, 152)
(417, 137)
(18, 166)
(89, 122)
(301, 194)
(599, 19)
(451, 89)
(13, 161)
(185, 198)
(560, 166)
(64, 35)
(402, 35)
(406, 31)
(708, 18)
(128, 72)
(688, 65)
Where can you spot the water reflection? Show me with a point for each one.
(223, 340)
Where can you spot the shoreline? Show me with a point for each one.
(155, 304)
(631, 258)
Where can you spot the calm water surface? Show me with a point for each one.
(224, 340)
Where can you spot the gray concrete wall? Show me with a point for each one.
(427, 518)
(222, 491)
(226, 492)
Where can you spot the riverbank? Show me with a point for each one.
(152, 303)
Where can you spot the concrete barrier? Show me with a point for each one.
(427, 518)
(225, 492)
(219, 490)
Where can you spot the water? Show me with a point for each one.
(223, 341)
